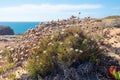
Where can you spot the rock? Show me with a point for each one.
(85, 68)
(103, 70)
(6, 30)
(117, 51)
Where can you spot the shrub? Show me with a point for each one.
(68, 49)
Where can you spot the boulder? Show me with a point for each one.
(6, 30)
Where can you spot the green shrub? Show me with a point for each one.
(64, 49)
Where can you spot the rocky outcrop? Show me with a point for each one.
(6, 30)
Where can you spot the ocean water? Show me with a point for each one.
(20, 27)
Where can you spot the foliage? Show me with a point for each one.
(68, 49)
(9, 56)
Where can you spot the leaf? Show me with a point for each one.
(119, 74)
(112, 70)
(116, 75)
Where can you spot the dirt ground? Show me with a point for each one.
(11, 40)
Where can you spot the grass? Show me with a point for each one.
(69, 49)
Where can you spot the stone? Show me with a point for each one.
(6, 30)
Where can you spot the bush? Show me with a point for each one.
(69, 49)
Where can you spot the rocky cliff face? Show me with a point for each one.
(6, 30)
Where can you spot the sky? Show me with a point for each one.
(45, 10)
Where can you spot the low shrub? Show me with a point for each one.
(71, 48)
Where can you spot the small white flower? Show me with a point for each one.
(34, 44)
(85, 40)
(26, 55)
(26, 50)
(62, 32)
(8, 47)
(52, 37)
(15, 59)
(92, 39)
(49, 43)
(22, 58)
(69, 42)
(21, 53)
(37, 56)
(71, 49)
(61, 43)
(52, 44)
(40, 63)
(44, 51)
(11, 49)
(80, 51)
(1, 51)
(0, 57)
(76, 35)
(100, 47)
(76, 50)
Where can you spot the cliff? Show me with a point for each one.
(6, 30)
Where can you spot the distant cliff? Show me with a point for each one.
(6, 30)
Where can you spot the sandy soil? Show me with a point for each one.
(11, 40)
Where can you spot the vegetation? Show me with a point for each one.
(12, 76)
(70, 48)
(1, 70)
(113, 17)
(9, 63)
(9, 56)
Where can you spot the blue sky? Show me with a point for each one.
(44, 10)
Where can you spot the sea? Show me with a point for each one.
(20, 27)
